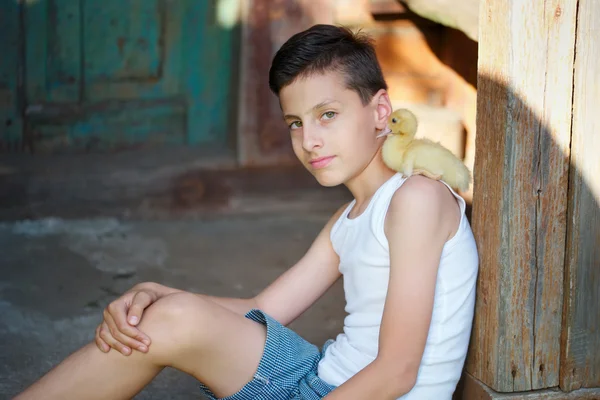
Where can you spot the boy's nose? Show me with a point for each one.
(311, 139)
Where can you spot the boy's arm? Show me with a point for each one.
(285, 299)
(417, 228)
(296, 289)
(304, 283)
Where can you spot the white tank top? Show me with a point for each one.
(363, 250)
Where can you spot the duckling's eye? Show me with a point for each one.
(394, 120)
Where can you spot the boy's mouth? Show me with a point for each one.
(321, 162)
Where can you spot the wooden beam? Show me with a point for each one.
(383, 7)
(520, 190)
(462, 14)
(580, 364)
(475, 390)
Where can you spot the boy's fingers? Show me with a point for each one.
(115, 314)
(116, 320)
(140, 301)
(99, 342)
(126, 338)
(107, 337)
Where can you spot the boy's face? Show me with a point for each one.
(333, 134)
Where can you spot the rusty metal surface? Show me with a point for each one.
(261, 131)
(262, 135)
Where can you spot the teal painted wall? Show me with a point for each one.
(105, 74)
(10, 109)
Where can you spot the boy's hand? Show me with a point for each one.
(118, 330)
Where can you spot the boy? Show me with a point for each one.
(403, 245)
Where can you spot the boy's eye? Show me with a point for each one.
(298, 124)
(329, 114)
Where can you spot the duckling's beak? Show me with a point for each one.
(384, 132)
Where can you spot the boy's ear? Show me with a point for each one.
(382, 108)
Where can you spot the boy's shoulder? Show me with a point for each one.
(423, 198)
(339, 212)
(335, 217)
(419, 188)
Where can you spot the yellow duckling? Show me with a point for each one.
(403, 153)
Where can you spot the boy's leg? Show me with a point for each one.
(216, 346)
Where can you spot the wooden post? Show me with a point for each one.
(526, 52)
(580, 356)
(536, 204)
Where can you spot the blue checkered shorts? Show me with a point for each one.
(287, 370)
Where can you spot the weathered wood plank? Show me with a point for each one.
(553, 173)
(519, 204)
(580, 365)
(475, 390)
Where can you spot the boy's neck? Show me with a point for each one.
(365, 184)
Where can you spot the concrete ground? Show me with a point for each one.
(56, 276)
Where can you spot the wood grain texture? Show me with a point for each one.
(520, 197)
(475, 390)
(553, 174)
(580, 366)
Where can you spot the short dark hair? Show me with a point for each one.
(324, 48)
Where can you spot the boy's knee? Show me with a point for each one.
(176, 320)
(175, 307)
(179, 310)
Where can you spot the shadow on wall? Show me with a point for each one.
(540, 254)
(536, 217)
